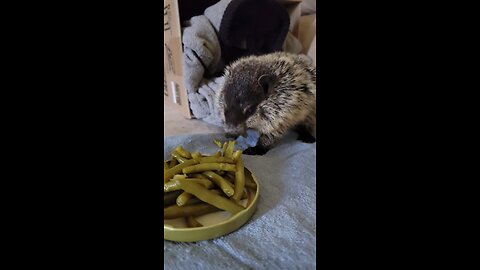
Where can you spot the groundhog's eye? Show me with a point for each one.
(250, 110)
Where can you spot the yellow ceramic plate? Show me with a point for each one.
(215, 224)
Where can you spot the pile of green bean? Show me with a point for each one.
(196, 184)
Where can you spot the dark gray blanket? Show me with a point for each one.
(281, 233)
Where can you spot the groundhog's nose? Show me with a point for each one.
(235, 131)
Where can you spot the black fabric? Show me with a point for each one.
(189, 8)
(261, 25)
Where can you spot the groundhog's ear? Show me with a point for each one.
(265, 81)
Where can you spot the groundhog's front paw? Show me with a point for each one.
(255, 151)
(307, 139)
(304, 135)
(231, 135)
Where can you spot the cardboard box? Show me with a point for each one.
(308, 35)
(175, 11)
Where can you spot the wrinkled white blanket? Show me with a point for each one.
(281, 233)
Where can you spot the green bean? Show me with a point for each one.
(209, 167)
(220, 182)
(177, 169)
(173, 185)
(196, 155)
(178, 157)
(195, 200)
(224, 148)
(244, 194)
(170, 198)
(231, 184)
(209, 197)
(217, 191)
(217, 154)
(249, 182)
(215, 160)
(173, 163)
(237, 155)
(239, 180)
(198, 175)
(184, 153)
(192, 222)
(170, 186)
(179, 176)
(192, 201)
(230, 148)
(196, 210)
(183, 198)
(218, 143)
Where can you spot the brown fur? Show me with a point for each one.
(286, 101)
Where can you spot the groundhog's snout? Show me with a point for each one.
(234, 124)
(234, 131)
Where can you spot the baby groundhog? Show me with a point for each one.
(272, 94)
